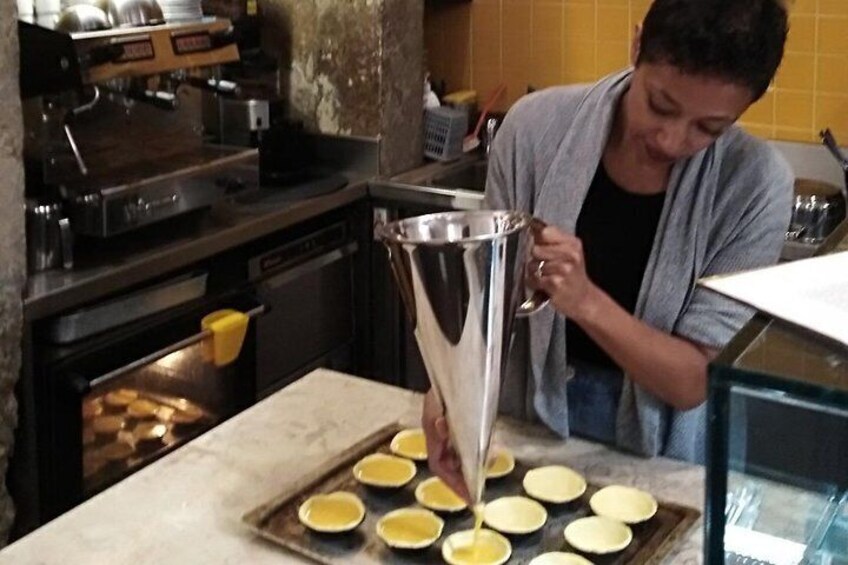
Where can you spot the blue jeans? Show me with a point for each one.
(593, 395)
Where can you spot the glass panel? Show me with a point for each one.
(781, 350)
(140, 415)
(787, 479)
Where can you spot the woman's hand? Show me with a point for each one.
(559, 270)
(441, 457)
(672, 368)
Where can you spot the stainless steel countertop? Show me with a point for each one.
(414, 186)
(228, 225)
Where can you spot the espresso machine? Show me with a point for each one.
(114, 140)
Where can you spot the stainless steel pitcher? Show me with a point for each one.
(49, 238)
(461, 275)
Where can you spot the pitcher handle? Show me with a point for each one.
(540, 299)
(533, 304)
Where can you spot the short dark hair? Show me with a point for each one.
(738, 40)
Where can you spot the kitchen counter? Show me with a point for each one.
(181, 242)
(118, 264)
(417, 187)
(187, 507)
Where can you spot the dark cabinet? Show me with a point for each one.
(395, 355)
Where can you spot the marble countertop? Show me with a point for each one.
(187, 507)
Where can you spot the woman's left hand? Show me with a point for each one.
(559, 270)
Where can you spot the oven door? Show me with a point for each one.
(309, 287)
(118, 402)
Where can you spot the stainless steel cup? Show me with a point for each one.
(49, 238)
(461, 275)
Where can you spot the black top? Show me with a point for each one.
(617, 229)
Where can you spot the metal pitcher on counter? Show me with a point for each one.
(461, 278)
(49, 237)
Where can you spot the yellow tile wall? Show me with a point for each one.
(546, 42)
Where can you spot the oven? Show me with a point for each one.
(110, 404)
(106, 401)
(309, 284)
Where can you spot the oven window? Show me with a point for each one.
(139, 415)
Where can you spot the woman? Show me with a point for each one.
(647, 186)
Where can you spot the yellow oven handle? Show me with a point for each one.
(148, 359)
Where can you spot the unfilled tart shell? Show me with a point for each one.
(554, 484)
(598, 535)
(559, 558)
(625, 504)
(515, 515)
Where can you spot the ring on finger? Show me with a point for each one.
(539, 269)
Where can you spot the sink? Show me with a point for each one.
(471, 176)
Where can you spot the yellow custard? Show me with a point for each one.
(335, 512)
(381, 470)
(500, 465)
(478, 522)
(411, 444)
(410, 528)
(490, 548)
(436, 495)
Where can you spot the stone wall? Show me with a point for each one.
(353, 68)
(12, 246)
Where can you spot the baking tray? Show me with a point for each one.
(176, 436)
(277, 520)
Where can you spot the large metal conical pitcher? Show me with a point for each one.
(461, 278)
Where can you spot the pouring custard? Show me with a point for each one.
(489, 548)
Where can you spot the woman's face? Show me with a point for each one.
(671, 115)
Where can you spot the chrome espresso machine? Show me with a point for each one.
(113, 122)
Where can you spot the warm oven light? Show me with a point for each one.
(173, 361)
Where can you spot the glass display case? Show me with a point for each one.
(777, 460)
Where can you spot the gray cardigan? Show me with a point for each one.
(726, 209)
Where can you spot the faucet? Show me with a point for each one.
(492, 125)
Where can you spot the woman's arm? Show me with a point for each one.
(672, 368)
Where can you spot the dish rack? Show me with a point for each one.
(444, 130)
